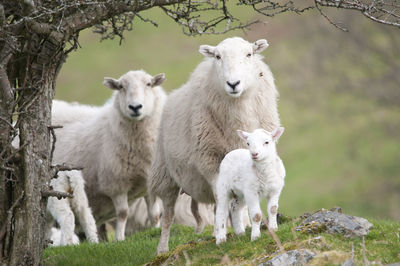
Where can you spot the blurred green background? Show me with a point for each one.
(339, 103)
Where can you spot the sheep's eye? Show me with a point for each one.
(218, 57)
(248, 144)
(148, 84)
(266, 142)
(249, 55)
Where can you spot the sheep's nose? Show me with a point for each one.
(135, 108)
(233, 84)
(254, 154)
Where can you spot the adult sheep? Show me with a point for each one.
(114, 144)
(231, 89)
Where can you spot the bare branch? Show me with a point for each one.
(328, 19)
(62, 167)
(53, 144)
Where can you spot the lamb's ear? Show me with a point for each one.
(111, 83)
(242, 134)
(260, 46)
(207, 50)
(277, 133)
(157, 79)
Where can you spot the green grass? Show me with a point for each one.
(381, 245)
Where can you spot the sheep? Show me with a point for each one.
(232, 88)
(63, 210)
(247, 175)
(114, 144)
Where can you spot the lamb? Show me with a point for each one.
(114, 144)
(232, 88)
(246, 176)
(64, 210)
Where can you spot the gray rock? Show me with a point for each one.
(348, 262)
(394, 264)
(290, 258)
(335, 222)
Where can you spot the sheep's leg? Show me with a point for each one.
(220, 217)
(121, 207)
(237, 207)
(167, 219)
(150, 211)
(253, 203)
(194, 206)
(62, 213)
(272, 209)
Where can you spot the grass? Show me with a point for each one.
(381, 245)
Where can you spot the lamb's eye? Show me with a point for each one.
(249, 55)
(218, 57)
(248, 144)
(266, 142)
(148, 84)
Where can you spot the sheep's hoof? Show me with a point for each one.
(240, 233)
(162, 250)
(273, 228)
(199, 228)
(220, 240)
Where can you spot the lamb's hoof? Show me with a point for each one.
(255, 237)
(220, 240)
(240, 233)
(273, 228)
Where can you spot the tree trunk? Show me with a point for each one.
(22, 199)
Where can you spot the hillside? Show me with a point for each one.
(382, 245)
(340, 100)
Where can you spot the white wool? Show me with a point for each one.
(246, 176)
(65, 210)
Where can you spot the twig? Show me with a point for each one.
(62, 167)
(9, 220)
(53, 144)
(58, 194)
(279, 244)
(363, 251)
(302, 259)
(327, 18)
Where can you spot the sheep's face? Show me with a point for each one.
(234, 61)
(261, 143)
(136, 93)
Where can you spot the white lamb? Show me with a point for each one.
(64, 210)
(232, 88)
(247, 176)
(113, 143)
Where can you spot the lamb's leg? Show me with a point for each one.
(80, 205)
(220, 217)
(272, 209)
(253, 203)
(237, 207)
(62, 213)
(167, 219)
(194, 206)
(121, 208)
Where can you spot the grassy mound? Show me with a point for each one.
(381, 245)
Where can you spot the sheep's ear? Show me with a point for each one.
(242, 134)
(111, 83)
(260, 46)
(207, 50)
(157, 79)
(277, 133)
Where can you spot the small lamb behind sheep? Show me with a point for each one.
(63, 210)
(246, 176)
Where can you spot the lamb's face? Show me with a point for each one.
(234, 61)
(136, 93)
(262, 144)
